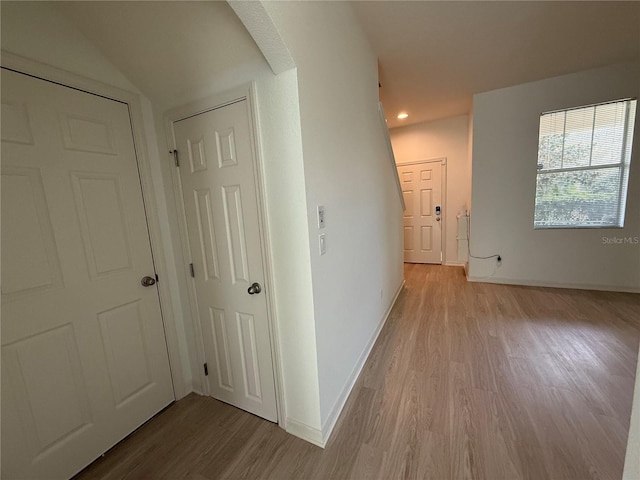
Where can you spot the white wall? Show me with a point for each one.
(280, 148)
(632, 459)
(469, 178)
(287, 215)
(441, 138)
(173, 51)
(60, 44)
(505, 142)
(209, 51)
(347, 170)
(37, 30)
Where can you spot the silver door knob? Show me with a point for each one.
(147, 281)
(254, 288)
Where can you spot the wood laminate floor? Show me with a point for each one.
(466, 380)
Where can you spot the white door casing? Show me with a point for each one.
(422, 189)
(218, 181)
(84, 357)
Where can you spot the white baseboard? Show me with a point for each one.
(538, 283)
(304, 431)
(296, 428)
(454, 264)
(197, 391)
(334, 414)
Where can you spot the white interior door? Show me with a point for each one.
(221, 205)
(422, 190)
(84, 359)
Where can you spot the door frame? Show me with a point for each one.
(132, 100)
(443, 200)
(246, 92)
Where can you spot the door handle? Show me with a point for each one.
(147, 281)
(254, 289)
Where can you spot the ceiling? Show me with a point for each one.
(433, 56)
(173, 51)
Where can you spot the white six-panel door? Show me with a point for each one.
(422, 190)
(84, 359)
(221, 205)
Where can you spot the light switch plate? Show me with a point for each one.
(321, 223)
(322, 242)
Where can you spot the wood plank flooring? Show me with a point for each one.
(466, 381)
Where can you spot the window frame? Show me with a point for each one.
(623, 165)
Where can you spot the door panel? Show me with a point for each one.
(221, 207)
(122, 332)
(98, 200)
(236, 240)
(84, 359)
(208, 246)
(46, 374)
(34, 264)
(422, 191)
(220, 343)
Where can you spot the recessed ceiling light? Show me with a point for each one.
(403, 115)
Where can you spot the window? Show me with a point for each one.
(583, 165)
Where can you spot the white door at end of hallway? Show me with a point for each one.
(423, 217)
(217, 176)
(84, 358)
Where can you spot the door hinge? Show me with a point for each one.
(175, 157)
(157, 278)
(206, 370)
(191, 269)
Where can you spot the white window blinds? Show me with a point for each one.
(583, 165)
